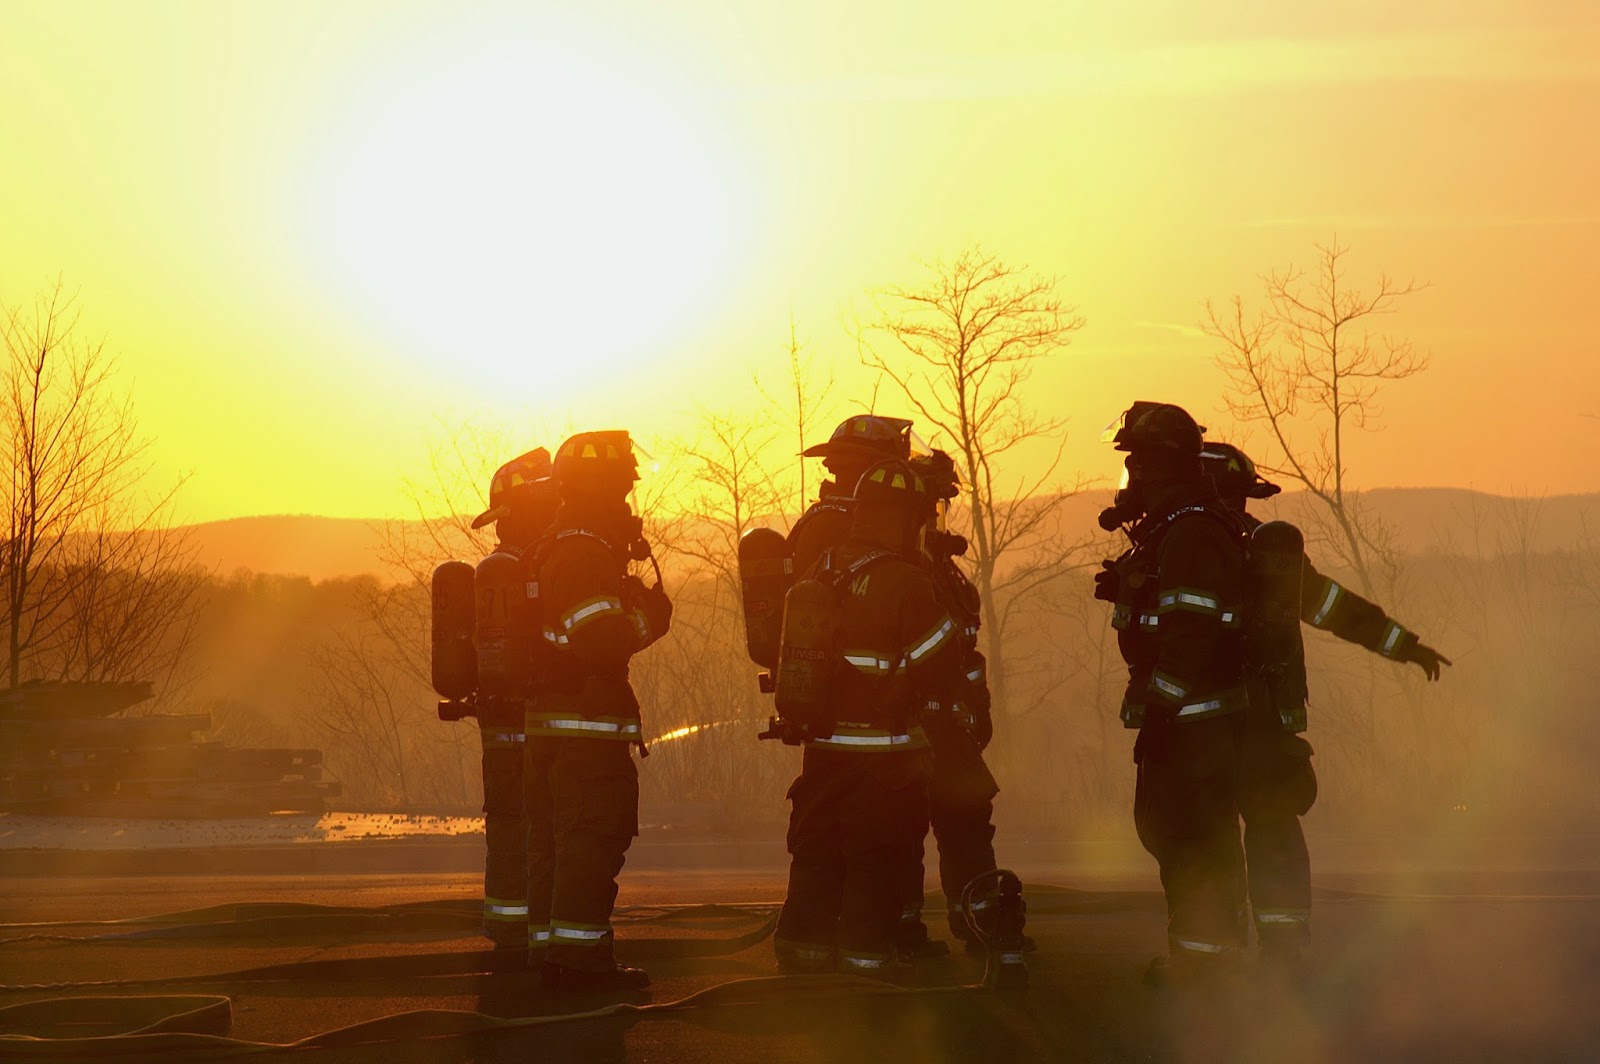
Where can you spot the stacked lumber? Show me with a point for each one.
(64, 750)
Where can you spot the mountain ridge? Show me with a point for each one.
(1423, 520)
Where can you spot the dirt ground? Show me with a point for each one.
(1504, 966)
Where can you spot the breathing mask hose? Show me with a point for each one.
(1006, 969)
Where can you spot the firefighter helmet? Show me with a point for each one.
(1233, 473)
(592, 460)
(511, 480)
(1149, 425)
(892, 483)
(868, 436)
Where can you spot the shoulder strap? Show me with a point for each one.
(819, 507)
(1149, 533)
(540, 552)
(835, 579)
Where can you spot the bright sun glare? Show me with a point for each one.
(533, 223)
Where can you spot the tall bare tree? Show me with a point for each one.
(802, 404)
(728, 489)
(960, 348)
(97, 584)
(1308, 366)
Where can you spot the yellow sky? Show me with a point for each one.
(314, 230)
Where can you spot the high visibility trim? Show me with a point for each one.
(558, 638)
(538, 935)
(1225, 702)
(602, 728)
(505, 909)
(578, 934)
(588, 610)
(1391, 639)
(975, 907)
(868, 662)
(1196, 946)
(1329, 601)
(1191, 599)
(909, 915)
(854, 738)
(641, 622)
(932, 641)
(815, 952)
(975, 675)
(865, 961)
(1167, 686)
(865, 740)
(1283, 916)
(502, 738)
(1121, 616)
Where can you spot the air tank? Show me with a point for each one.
(454, 660)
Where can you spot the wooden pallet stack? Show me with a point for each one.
(64, 750)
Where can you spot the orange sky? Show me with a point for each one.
(315, 231)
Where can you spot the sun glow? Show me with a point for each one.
(533, 223)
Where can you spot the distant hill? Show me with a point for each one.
(321, 548)
(1424, 520)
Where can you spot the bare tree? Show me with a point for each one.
(1308, 363)
(728, 490)
(803, 403)
(97, 584)
(960, 348)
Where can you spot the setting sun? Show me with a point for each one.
(531, 222)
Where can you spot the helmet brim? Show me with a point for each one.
(492, 514)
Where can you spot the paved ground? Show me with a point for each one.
(1507, 969)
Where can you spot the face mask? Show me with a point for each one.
(1127, 506)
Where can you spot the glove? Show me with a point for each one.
(653, 603)
(1427, 659)
(1106, 582)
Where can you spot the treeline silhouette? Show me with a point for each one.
(1507, 742)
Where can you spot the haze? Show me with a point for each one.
(313, 234)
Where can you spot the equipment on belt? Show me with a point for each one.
(1273, 647)
(504, 631)
(766, 572)
(454, 659)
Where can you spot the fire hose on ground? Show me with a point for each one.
(158, 1026)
